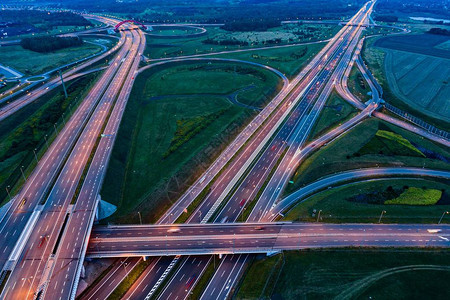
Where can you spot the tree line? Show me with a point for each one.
(44, 44)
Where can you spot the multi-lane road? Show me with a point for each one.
(43, 218)
(48, 225)
(203, 239)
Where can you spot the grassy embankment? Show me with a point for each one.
(349, 274)
(176, 122)
(26, 130)
(31, 63)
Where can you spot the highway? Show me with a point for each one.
(219, 192)
(238, 166)
(38, 183)
(46, 233)
(47, 259)
(238, 199)
(275, 184)
(28, 98)
(204, 239)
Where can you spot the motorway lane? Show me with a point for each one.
(239, 163)
(190, 270)
(271, 237)
(148, 278)
(71, 252)
(57, 205)
(102, 290)
(265, 163)
(279, 179)
(39, 181)
(180, 206)
(294, 155)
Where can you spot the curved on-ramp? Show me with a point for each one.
(347, 176)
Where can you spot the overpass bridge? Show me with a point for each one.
(238, 238)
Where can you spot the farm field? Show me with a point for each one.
(348, 273)
(414, 73)
(177, 118)
(32, 63)
(216, 39)
(345, 153)
(363, 202)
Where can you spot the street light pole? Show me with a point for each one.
(24, 178)
(443, 214)
(46, 142)
(318, 215)
(140, 218)
(35, 156)
(381, 216)
(7, 191)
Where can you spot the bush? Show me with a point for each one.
(417, 196)
(44, 44)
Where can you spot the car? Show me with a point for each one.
(190, 282)
(259, 228)
(434, 230)
(22, 203)
(173, 230)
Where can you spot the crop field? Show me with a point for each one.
(421, 81)
(174, 116)
(417, 43)
(350, 274)
(404, 200)
(217, 39)
(32, 63)
(412, 80)
(342, 154)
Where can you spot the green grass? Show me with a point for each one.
(334, 113)
(414, 82)
(340, 155)
(417, 196)
(358, 85)
(288, 60)
(188, 128)
(389, 143)
(363, 203)
(163, 47)
(254, 283)
(328, 274)
(31, 63)
(183, 105)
